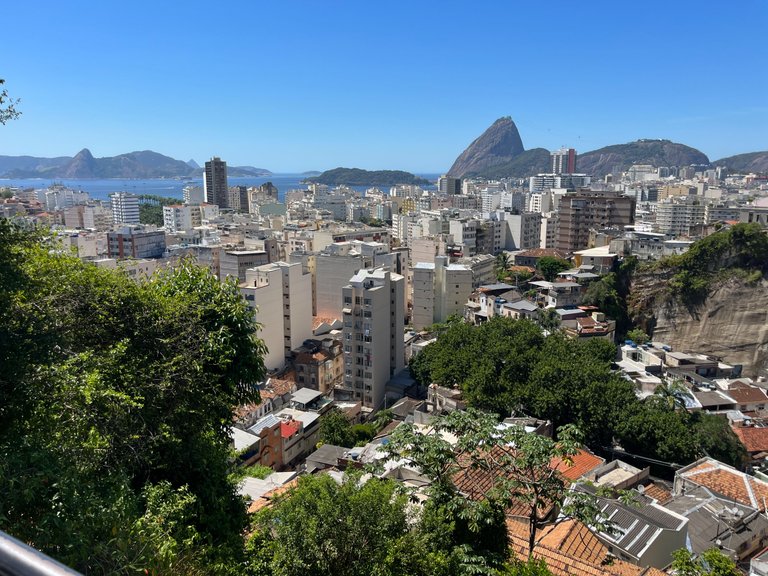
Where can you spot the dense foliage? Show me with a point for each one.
(743, 246)
(550, 266)
(359, 177)
(507, 366)
(117, 399)
(711, 563)
(365, 525)
(151, 208)
(336, 429)
(610, 294)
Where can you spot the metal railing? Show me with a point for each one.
(18, 559)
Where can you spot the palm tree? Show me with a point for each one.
(503, 262)
(674, 393)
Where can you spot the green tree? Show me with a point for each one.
(638, 336)
(516, 464)
(503, 262)
(711, 563)
(549, 267)
(7, 106)
(122, 394)
(717, 439)
(336, 429)
(326, 528)
(548, 319)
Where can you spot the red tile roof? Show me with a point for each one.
(728, 482)
(747, 395)
(574, 558)
(577, 465)
(658, 493)
(754, 439)
(574, 539)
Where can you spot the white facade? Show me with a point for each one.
(193, 194)
(125, 208)
(374, 321)
(281, 293)
(678, 217)
(464, 232)
(522, 231)
(440, 290)
(179, 217)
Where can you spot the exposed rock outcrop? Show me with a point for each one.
(732, 322)
(499, 144)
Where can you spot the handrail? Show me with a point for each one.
(18, 559)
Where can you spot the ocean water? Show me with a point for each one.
(101, 189)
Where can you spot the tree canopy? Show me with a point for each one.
(506, 366)
(549, 267)
(8, 109)
(117, 404)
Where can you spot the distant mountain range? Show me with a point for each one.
(499, 153)
(144, 164)
(750, 162)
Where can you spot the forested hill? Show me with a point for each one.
(359, 177)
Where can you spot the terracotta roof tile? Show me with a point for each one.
(728, 482)
(575, 539)
(754, 439)
(578, 465)
(747, 395)
(658, 493)
(562, 563)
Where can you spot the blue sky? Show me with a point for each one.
(293, 86)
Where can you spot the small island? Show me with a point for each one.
(359, 177)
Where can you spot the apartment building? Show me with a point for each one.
(135, 243)
(581, 211)
(237, 262)
(374, 320)
(440, 290)
(676, 217)
(125, 208)
(280, 293)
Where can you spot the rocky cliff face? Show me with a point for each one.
(499, 144)
(732, 323)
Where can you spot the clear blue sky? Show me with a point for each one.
(293, 86)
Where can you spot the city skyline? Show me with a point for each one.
(310, 87)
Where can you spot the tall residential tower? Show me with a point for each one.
(215, 182)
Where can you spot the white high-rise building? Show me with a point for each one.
(180, 217)
(374, 320)
(336, 265)
(125, 208)
(281, 293)
(440, 290)
(193, 194)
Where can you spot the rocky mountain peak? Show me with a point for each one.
(499, 144)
